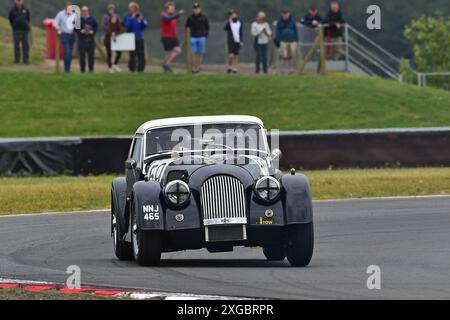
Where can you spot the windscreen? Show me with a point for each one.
(230, 136)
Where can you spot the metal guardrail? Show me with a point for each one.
(363, 53)
(375, 58)
(357, 50)
(422, 77)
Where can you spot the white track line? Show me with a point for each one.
(54, 213)
(6, 280)
(386, 198)
(316, 201)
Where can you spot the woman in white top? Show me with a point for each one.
(262, 32)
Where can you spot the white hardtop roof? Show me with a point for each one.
(197, 120)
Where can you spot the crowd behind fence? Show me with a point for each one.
(217, 45)
(316, 50)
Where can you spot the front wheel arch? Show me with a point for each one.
(297, 199)
(122, 248)
(146, 245)
(119, 204)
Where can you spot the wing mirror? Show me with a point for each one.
(130, 164)
(276, 154)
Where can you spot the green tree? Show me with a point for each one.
(430, 38)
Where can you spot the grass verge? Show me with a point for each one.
(103, 104)
(27, 195)
(355, 183)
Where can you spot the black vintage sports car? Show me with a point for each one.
(209, 182)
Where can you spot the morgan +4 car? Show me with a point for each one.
(209, 182)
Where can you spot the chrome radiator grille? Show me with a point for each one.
(223, 201)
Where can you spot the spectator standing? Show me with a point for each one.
(110, 10)
(86, 39)
(335, 21)
(262, 32)
(64, 24)
(136, 23)
(19, 19)
(169, 36)
(235, 39)
(114, 29)
(287, 39)
(199, 25)
(312, 19)
(113, 64)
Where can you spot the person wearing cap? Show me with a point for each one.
(169, 35)
(312, 19)
(113, 64)
(286, 38)
(198, 24)
(262, 32)
(235, 36)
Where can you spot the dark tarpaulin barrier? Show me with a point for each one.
(102, 155)
(301, 150)
(70, 156)
(48, 156)
(368, 148)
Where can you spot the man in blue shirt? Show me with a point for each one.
(286, 39)
(136, 23)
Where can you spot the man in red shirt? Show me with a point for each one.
(169, 36)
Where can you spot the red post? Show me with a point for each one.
(51, 40)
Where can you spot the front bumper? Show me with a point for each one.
(194, 239)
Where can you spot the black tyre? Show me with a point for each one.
(275, 253)
(122, 249)
(146, 245)
(301, 245)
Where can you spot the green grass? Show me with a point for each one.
(6, 45)
(103, 104)
(357, 183)
(89, 193)
(54, 194)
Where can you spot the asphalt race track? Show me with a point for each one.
(409, 239)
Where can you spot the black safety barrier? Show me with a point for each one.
(302, 150)
(102, 155)
(49, 156)
(366, 148)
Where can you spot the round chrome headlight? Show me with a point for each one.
(177, 192)
(267, 188)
